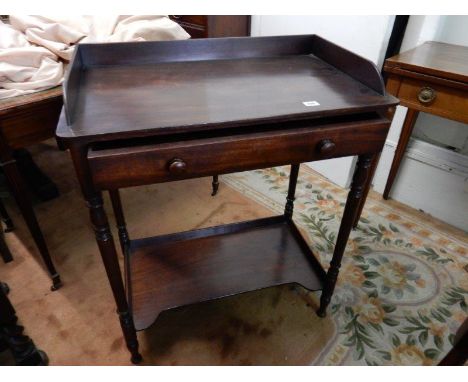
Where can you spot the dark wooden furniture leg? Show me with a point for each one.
(18, 189)
(35, 179)
(109, 257)
(459, 354)
(374, 163)
(119, 217)
(12, 337)
(361, 179)
(406, 131)
(107, 249)
(6, 218)
(288, 209)
(215, 185)
(4, 250)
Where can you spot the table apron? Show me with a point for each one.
(447, 102)
(139, 165)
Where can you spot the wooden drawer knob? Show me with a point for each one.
(326, 146)
(177, 166)
(426, 95)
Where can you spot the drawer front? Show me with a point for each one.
(132, 166)
(196, 26)
(195, 19)
(435, 99)
(32, 123)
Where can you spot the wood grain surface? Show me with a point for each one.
(201, 265)
(433, 58)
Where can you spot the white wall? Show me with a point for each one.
(430, 179)
(454, 30)
(364, 35)
(421, 29)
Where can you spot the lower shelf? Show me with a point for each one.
(184, 268)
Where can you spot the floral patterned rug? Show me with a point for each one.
(403, 286)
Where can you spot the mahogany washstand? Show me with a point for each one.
(151, 112)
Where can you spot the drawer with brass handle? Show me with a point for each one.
(152, 163)
(434, 98)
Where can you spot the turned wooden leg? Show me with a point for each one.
(20, 193)
(5, 217)
(374, 163)
(106, 248)
(109, 257)
(360, 179)
(4, 250)
(215, 185)
(288, 209)
(119, 217)
(406, 131)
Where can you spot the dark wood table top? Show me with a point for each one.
(224, 83)
(169, 95)
(433, 58)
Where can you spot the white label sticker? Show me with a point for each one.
(311, 103)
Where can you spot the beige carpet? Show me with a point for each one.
(77, 325)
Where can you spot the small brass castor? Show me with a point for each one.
(56, 283)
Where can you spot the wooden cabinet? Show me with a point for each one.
(214, 26)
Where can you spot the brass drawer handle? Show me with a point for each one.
(326, 146)
(177, 166)
(427, 95)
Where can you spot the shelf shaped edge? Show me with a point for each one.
(195, 266)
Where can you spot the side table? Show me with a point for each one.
(154, 112)
(26, 120)
(431, 78)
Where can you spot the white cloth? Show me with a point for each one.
(33, 49)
